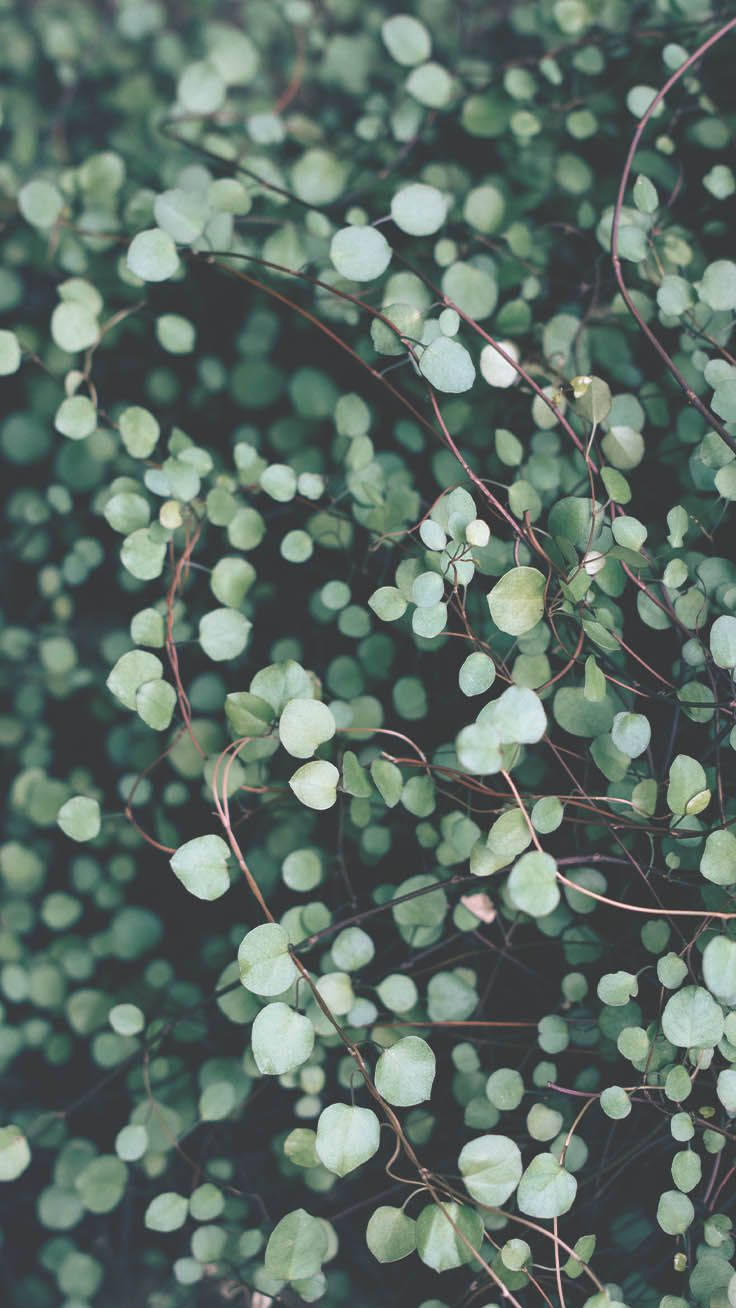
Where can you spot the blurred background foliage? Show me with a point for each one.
(359, 547)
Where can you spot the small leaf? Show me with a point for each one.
(202, 866)
(346, 1137)
(477, 674)
(517, 716)
(405, 1072)
(40, 202)
(718, 860)
(130, 672)
(139, 431)
(719, 969)
(615, 1102)
(167, 1212)
(592, 398)
(687, 782)
(447, 365)
(390, 1234)
(223, 633)
(304, 725)
(546, 1189)
(631, 733)
(479, 749)
(152, 256)
(281, 1039)
(532, 884)
(388, 603)
(675, 1212)
(266, 966)
(491, 1168)
(645, 195)
(723, 641)
(15, 1154)
(516, 602)
(315, 784)
(10, 353)
(355, 779)
(617, 988)
(418, 209)
(155, 702)
(406, 39)
(726, 1091)
(388, 781)
(360, 253)
(79, 818)
(692, 1019)
(438, 1243)
(297, 1246)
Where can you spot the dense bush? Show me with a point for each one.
(370, 625)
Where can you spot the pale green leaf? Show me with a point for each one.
(79, 818)
(202, 866)
(281, 1039)
(266, 966)
(491, 1168)
(405, 1072)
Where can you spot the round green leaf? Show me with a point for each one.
(692, 1019)
(202, 866)
(719, 969)
(101, 1185)
(167, 1212)
(315, 784)
(304, 725)
(223, 633)
(74, 327)
(266, 966)
(139, 431)
(615, 1102)
(532, 884)
(10, 353)
(281, 1039)
(438, 1243)
(142, 556)
(418, 209)
(491, 1168)
(546, 1189)
(631, 733)
(390, 1234)
(723, 641)
(76, 417)
(152, 255)
(686, 791)
(477, 674)
(406, 39)
(675, 1212)
(405, 1072)
(296, 1247)
(726, 1091)
(40, 202)
(516, 602)
(718, 860)
(15, 1154)
(360, 253)
(79, 818)
(447, 365)
(126, 1019)
(388, 603)
(155, 702)
(346, 1137)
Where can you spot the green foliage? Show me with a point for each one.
(372, 573)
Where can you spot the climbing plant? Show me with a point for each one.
(369, 440)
